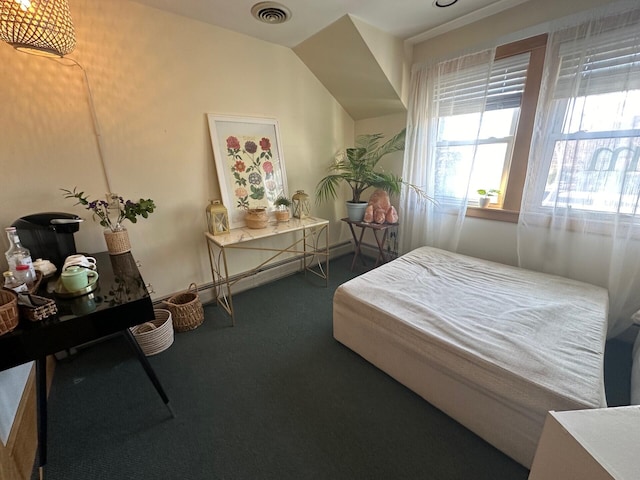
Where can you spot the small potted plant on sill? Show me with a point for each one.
(485, 196)
(357, 167)
(282, 205)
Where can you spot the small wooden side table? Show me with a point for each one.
(357, 239)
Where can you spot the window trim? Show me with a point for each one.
(509, 208)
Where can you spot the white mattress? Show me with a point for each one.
(525, 342)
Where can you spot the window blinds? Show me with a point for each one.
(469, 90)
(605, 63)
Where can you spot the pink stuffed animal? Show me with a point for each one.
(379, 209)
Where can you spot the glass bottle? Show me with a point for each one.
(17, 254)
(12, 283)
(24, 275)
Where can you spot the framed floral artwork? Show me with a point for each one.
(249, 163)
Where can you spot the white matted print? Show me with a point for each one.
(249, 163)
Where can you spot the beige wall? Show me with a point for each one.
(390, 54)
(154, 76)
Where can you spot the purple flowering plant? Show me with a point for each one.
(113, 212)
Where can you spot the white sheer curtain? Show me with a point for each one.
(580, 214)
(451, 87)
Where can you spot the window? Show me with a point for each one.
(594, 134)
(583, 139)
(480, 132)
(500, 151)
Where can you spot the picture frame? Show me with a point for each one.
(249, 163)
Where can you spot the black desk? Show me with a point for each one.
(120, 301)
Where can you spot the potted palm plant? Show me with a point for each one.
(357, 167)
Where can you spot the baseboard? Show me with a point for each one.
(372, 251)
(269, 273)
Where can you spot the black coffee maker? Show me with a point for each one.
(49, 235)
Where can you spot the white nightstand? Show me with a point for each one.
(594, 444)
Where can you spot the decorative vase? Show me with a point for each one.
(355, 211)
(282, 215)
(117, 242)
(256, 218)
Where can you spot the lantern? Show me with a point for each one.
(217, 218)
(300, 204)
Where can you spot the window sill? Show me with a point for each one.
(493, 213)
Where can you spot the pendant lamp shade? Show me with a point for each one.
(41, 27)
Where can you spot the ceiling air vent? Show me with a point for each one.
(271, 12)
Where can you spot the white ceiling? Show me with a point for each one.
(413, 20)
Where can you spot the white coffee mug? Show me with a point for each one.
(80, 261)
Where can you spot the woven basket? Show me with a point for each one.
(8, 311)
(46, 308)
(117, 242)
(256, 218)
(186, 309)
(155, 336)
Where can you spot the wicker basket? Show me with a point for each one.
(256, 218)
(155, 336)
(186, 309)
(45, 307)
(8, 311)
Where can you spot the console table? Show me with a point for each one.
(120, 301)
(357, 240)
(307, 231)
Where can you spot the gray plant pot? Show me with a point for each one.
(355, 211)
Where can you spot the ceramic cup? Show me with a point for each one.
(74, 278)
(80, 260)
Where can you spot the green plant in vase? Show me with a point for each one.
(358, 167)
(111, 213)
(485, 196)
(282, 205)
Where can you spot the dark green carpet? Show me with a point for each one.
(275, 397)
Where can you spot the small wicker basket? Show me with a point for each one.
(186, 309)
(256, 218)
(8, 311)
(38, 308)
(155, 336)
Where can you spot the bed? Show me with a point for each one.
(635, 365)
(493, 346)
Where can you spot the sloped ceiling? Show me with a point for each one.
(340, 57)
(354, 47)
